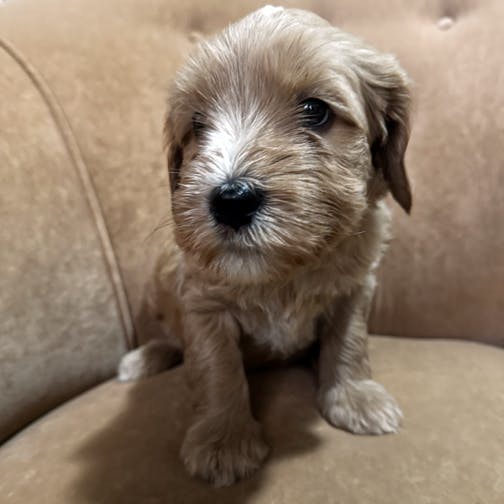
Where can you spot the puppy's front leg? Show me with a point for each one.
(348, 397)
(224, 442)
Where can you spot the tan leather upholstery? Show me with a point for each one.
(119, 443)
(61, 325)
(64, 318)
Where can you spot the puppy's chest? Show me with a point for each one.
(279, 326)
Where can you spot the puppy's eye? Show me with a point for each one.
(198, 123)
(315, 113)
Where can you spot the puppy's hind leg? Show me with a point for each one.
(150, 359)
(159, 323)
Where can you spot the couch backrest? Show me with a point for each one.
(108, 65)
(444, 274)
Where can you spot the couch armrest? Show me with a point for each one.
(64, 318)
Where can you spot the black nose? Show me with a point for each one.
(235, 203)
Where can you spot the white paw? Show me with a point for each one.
(361, 407)
(150, 359)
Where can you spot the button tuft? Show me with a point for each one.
(445, 23)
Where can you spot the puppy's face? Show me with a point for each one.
(282, 132)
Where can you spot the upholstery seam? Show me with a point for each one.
(69, 140)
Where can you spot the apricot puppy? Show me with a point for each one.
(284, 135)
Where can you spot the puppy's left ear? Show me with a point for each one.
(386, 90)
(174, 154)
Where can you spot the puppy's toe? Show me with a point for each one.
(361, 407)
(225, 459)
(150, 359)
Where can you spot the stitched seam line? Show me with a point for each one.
(65, 130)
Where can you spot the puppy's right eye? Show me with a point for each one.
(198, 123)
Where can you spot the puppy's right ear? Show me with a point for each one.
(386, 91)
(174, 155)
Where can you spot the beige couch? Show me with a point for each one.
(83, 184)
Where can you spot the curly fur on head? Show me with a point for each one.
(314, 125)
(246, 86)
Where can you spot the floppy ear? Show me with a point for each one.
(385, 87)
(174, 155)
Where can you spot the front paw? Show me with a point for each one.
(221, 456)
(361, 407)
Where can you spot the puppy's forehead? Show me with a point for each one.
(272, 57)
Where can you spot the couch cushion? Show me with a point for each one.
(62, 327)
(119, 443)
(110, 64)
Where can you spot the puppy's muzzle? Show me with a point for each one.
(235, 203)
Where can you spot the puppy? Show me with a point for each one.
(284, 135)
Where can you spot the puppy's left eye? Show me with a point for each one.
(315, 113)
(198, 123)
